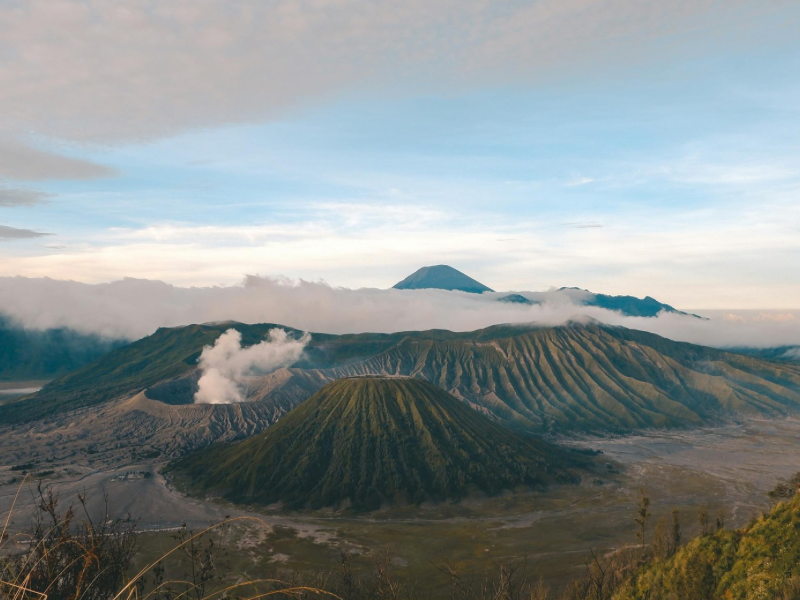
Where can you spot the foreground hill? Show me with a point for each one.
(366, 442)
(760, 561)
(575, 377)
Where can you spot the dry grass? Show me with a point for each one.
(79, 556)
(69, 559)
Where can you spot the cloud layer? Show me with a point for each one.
(734, 256)
(225, 365)
(127, 70)
(135, 308)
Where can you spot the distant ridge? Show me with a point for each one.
(630, 306)
(441, 277)
(366, 442)
(516, 299)
(31, 354)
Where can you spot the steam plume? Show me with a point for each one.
(226, 363)
(792, 354)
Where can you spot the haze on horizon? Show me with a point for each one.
(645, 149)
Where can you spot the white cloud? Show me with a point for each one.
(716, 257)
(579, 181)
(134, 308)
(792, 354)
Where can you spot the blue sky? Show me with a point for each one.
(664, 166)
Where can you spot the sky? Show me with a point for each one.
(643, 148)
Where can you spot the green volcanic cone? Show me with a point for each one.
(364, 442)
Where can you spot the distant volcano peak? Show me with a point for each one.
(441, 277)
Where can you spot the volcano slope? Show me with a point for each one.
(592, 377)
(573, 378)
(365, 442)
(171, 354)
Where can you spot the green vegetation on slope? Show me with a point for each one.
(593, 377)
(27, 354)
(170, 353)
(165, 354)
(575, 377)
(758, 562)
(366, 442)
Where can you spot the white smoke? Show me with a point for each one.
(226, 364)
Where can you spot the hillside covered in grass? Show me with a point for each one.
(758, 562)
(367, 442)
(593, 377)
(169, 353)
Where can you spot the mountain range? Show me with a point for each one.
(445, 277)
(576, 377)
(31, 354)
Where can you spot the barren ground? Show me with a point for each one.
(730, 465)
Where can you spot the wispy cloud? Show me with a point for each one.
(24, 162)
(19, 197)
(701, 172)
(12, 233)
(583, 225)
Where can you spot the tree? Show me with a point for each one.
(662, 543)
(642, 516)
(785, 489)
(702, 519)
(667, 536)
(720, 520)
(675, 542)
